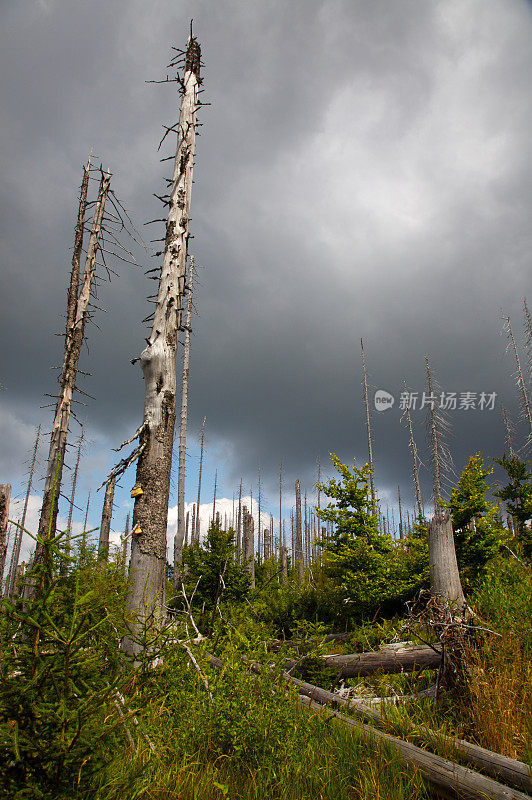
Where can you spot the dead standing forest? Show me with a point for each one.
(338, 653)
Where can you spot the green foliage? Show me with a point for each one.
(375, 574)
(504, 596)
(59, 670)
(478, 529)
(353, 512)
(212, 571)
(517, 494)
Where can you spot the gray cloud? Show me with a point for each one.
(364, 170)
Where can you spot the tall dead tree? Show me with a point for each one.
(248, 555)
(19, 533)
(73, 493)
(259, 523)
(444, 576)
(526, 409)
(298, 540)
(415, 457)
(401, 532)
(105, 525)
(180, 532)
(158, 362)
(281, 538)
(239, 547)
(5, 494)
(77, 311)
(528, 339)
(214, 496)
(197, 524)
(83, 547)
(368, 421)
(509, 432)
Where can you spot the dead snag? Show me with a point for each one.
(158, 362)
(105, 525)
(76, 319)
(180, 532)
(5, 494)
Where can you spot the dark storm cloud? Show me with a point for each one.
(364, 170)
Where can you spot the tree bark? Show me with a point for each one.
(248, 544)
(298, 537)
(73, 341)
(105, 525)
(158, 361)
(5, 495)
(388, 660)
(444, 576)
(197, 524)
(450, 780)
(180, 531)
(368, 422)
(413, 449)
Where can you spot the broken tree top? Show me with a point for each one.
(193, 56)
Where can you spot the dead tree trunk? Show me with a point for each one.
(239, 547)
(105, 525)
(298, 555)
(526, 409)
(259, 524)
(15, 554)
(368, 422)
(158, 362)
(401, 532)
(73, 494)
(5, 495)
(198, 523)
(444, 576)
(248, 544)
(508, 429)
(214, 496)
(180, 532)
(124, 543)
(415, 459)
(76, 319)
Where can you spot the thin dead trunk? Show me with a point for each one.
(526, 409)
(248, 544)
(158, 362)
(15, 555)
(125, 542)
(284, 564)
(198, 523)
(401, 532)
(239, 547)
(5, 495)
(214, 496)
(83, 547)
(73, 494)
(415, 458)
(105, 525)
(180, 532)
(368, 421)
(509, 431)
(298, 538)
(259, 524)
(73, 341)
(528, 339)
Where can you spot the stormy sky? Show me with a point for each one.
(364, 170)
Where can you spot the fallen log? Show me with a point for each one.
(513, 772)
(388, 659)
(450, 780)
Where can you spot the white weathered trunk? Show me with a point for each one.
(248, 544)
(5, 494)
(158, 361)
(413, 450)
(73, 341)
(368, 422)
(526, 409)
(73, 493)
(180, 531)
(105, 525)
(444, 576)
(197, 524)
(298, 541)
